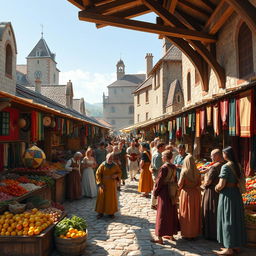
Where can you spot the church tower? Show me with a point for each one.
(41, 64)
(120, 69)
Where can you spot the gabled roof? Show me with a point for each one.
(145, 84)
(3, 27)
(23, 92)
(174, 88)
(129, 80)
(43, 50)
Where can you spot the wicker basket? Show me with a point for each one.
(71, 246)
(17, 208)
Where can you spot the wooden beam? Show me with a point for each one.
(209, 4)
(77, 3)
(173, 5)
(199, 47)
(130, 13)
(246, 10)
(87, 3)
(220, 15)
(144, 26)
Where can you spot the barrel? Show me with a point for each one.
(251, 234)
(71, 246)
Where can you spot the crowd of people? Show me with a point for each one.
(209, 205)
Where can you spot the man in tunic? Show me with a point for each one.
(179, 159)
(100, 153)
(133, 154)
(74, 187)
(107, 176)
(155, 166)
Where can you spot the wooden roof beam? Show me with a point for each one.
(129, 14)
(209, 4)
(199, 47)
(145, 26)
(87, 3)
(172, 6)
(246, 10)
(218, 18)
(77, 3)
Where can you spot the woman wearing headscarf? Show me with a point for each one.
(107, 176)
(145, 182)
(230, 214)
(190, 199)
(167, 217)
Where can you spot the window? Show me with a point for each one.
(147, 97)
(138, 99)
(38, 53)
(157, 79)
(113, 122)
(147, 116)
(8, 60)
(113, 110)
(178, 98)
(4, 123)
(131, 109)
(138, 118)
(188, 86)
(245, 54)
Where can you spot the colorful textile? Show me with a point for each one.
(202, 121)
(216, 122)
(245, 114)
(237, 118)
(224, 113)
(198, 123)
(184, 125)
(232, 117)
(209, 115)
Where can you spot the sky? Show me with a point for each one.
(85, 55)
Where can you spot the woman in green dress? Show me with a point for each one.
(230, 215)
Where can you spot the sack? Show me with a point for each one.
(172, 186)
(240, 181)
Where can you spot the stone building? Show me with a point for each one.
(8, 52)
(161, 92)
(118, 107)
(42, 75)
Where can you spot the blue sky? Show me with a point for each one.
(85, 55)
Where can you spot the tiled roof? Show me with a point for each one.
(22, 79)
(144, 85)
(24, 92)
(103, 122)
(174, 87)
(43, 50)
(129, 80)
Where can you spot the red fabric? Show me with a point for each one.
(246, 147)
(202, 121)
(224, 113)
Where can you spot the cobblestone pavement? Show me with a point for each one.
(129, 233)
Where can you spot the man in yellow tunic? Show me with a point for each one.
(107, 175)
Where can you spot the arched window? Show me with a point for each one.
(131, 109)
(245, 54)
(189, 86)
(8, 60)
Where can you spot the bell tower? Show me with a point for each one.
(120, 69)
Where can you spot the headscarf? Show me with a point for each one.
(146, 146)
(189, 169)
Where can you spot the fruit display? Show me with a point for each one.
(249, 198)
(250, 217)
(54, 213)
(71, 228)
(58, 206)
(251, 183)
(5, 197)
(28, 223)
(13, 190)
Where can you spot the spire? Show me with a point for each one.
(42, 31)
(120, 69)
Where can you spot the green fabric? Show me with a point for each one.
(232, 117)
(230, 215)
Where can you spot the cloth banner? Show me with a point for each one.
(202, 121)
(224, 113)
(209, 115)
(216, 122)
(232, 117)
(198, 123)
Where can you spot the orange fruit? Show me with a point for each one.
(34, 210)
(2, 233)
(3, 230)
(68, 235)
(10, 229)
(36, 231)
(25, 224)
(7, 233)
(25, 232)
(14, 225)
(31, 225)
(13, 233)
(19, 233)
(32, 219)
(30, 233)
(19, 227)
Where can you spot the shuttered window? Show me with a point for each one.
(245, 51)
(4, 123)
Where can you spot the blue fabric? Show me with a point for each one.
(179, 160)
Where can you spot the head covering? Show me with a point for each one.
(189, 169)
(145, 145)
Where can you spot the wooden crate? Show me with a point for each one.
(40, 245)
(60, 189)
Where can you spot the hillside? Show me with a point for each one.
(94, 110)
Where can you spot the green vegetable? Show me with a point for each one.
(75, 222)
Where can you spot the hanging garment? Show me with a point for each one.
(232, 117)
(216, 122)
(202, 121)
(198, 123)
(224, 113)
(209, 115)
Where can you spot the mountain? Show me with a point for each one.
(95, 109)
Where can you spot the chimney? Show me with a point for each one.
(166, 45)
(149, 62)
(38, 85)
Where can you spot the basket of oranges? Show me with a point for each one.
(71, 236)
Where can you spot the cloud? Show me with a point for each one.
(87, 84)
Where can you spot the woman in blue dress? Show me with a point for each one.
(230, 215)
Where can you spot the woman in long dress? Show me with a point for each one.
(230, 216)
(146, 181)
(167, 223)
(190, 199)
(123, 160)
(89, 188)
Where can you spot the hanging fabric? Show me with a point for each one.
(216, 122)
(245, 114)
(237, 117)
(224, 113)
(184, 125)
(209, 115)
(232, 117)
(202, 121)
(197, 123)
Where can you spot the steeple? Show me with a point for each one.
(120, 69)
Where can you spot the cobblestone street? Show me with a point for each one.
(131, 230)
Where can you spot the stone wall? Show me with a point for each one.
(8, 83)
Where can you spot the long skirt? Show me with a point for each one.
(89, 188)
(74, 188)
(146, 181)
